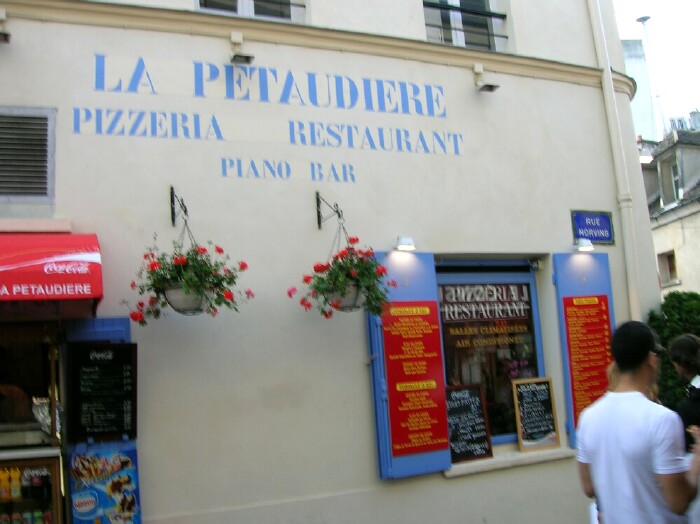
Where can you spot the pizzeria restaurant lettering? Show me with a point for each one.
(484, 302)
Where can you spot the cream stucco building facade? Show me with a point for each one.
(266, 415)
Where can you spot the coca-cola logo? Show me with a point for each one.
(104, 355)
(67, 268)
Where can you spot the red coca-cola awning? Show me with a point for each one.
(59, 273)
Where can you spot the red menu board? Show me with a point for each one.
(415, 377)
(588, 337)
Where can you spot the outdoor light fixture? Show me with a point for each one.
(405, 244)
(237, 55)
(480, 83)
(583, 245)
(4, 35)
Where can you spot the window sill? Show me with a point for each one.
(671, 283)
(509, 460)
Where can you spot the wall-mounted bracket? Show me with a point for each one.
(175, 203)
(320, 219)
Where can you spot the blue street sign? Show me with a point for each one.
(596, 226)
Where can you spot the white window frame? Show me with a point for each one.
(668, 269)
(246, 8)
(496, 28)
(50, 115)
(670, 178)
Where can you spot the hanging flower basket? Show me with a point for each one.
(184, 302)
(190, 280)
(352, 300)
(352, 279)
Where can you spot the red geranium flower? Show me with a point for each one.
(219, 250)
(201, 250)
(242, 265)
(304, 302)
(321, 268)
(291, 291)
(228, 295)
(153, 265)
(353, 240)
(307, 279)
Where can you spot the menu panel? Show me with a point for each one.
(415, 377)
(469, 432)
(588, 336)
(535, 413)
(101, 385)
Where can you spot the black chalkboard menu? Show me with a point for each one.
(535, 413)
(101, 391)
(467, 424)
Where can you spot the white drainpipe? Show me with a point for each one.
(624, 197)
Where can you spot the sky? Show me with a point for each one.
(672, 48)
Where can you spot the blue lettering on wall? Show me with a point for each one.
(139, 78)
(309, 89)
(385, 139)
(332, 173)
(148, 124)
(268, 85)
(256, 169)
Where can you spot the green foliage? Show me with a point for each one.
(680, 313)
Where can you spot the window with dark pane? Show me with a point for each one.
(224, 5)
(273, 8)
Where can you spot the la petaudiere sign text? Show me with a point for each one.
(266, 86)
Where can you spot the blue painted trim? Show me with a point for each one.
(110, 329)
(415, 274)
(578, 274)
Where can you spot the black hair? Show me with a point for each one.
(685, 351)
(631, 344)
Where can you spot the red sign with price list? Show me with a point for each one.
(415, 377)
(588, 337)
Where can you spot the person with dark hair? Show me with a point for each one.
(684, 353)
(631, 450)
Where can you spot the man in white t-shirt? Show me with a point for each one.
(631, 449)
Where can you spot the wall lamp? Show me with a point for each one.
(237, 55)
(405, 244)
(583, 245)
(4, 35)
(480, 83)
